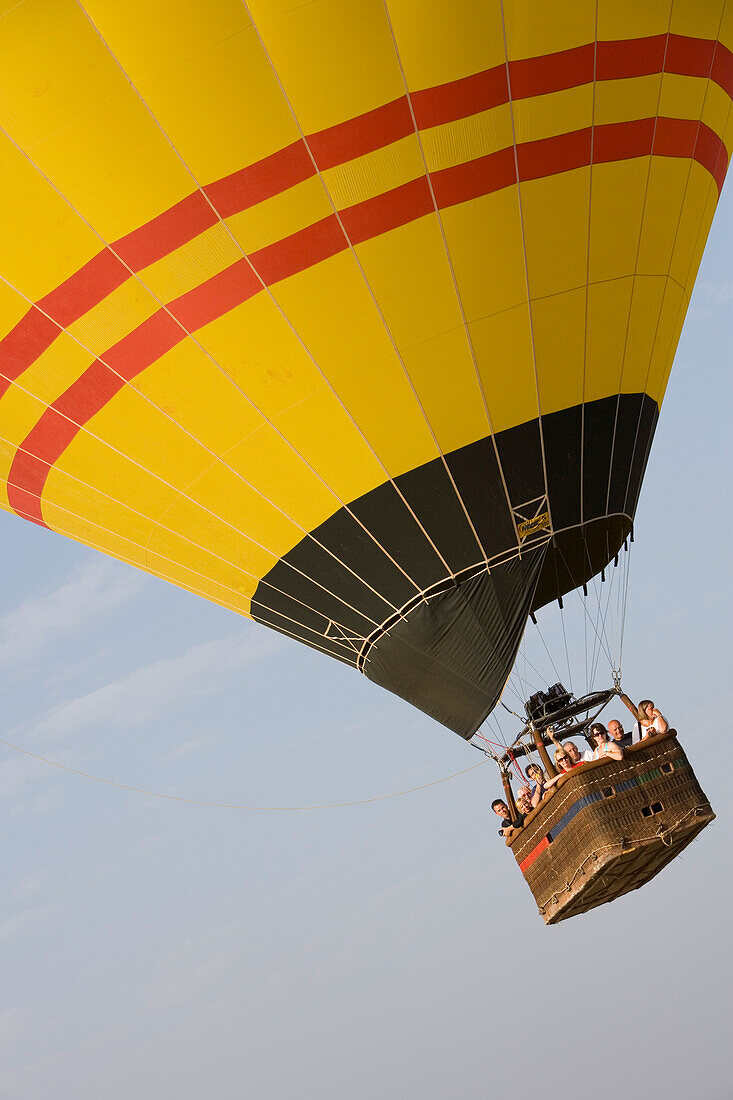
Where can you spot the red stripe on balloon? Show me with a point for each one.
(33, 335)
(260, 181)
(63, 420)
(549, 156)
(722, 70)
(300, 250)
(341, 143)
(474, 179)
(460, 98)
(389, 211)
(217, 296)
(552, 73)
(689, 56)
(623, 60)
(88, 286)
(374, 130)
(164, 234)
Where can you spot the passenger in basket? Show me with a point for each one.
(535, 773)
(524, 801)
(572, 751)
(603, 747)
(500, 808)
(616, 733)
(648, 719)
(564, 765)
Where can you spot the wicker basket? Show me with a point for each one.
(609, 827)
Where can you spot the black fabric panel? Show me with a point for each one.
(310, 560)
(355, 545)
(430, 492)
(520, 455)
(385, 514)
(561, 433)
(597, 449)
(289, 613)
(341, 650)
(629, 417)
(644, 436)
(451, 656)
(476, 473)
(577, 555)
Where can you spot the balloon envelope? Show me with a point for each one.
(355, 318)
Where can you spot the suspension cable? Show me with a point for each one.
(234, 805)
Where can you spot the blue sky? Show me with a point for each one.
(155, 948)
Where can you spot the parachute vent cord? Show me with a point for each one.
(623, 613)
(235, 805)
(557, 550)
(547, 651)
(585, 617)
(609, 645)
(603, 642)
(526, 683)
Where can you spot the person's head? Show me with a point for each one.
(524, 799)
(500, 807)
(615, 730)
(571, 750)
(599, 733)
(535, 773)
(562, 760)
(645, 711)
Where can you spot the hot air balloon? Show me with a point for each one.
(355, 318)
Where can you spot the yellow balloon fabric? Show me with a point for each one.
(352, 316)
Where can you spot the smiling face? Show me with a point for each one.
(501, 809)
(563, 761)
(524, 800)
(615, 729)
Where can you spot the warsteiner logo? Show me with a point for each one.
(529, 526)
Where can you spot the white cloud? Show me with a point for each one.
(27, 887)
(187, 985)
(202, 741)
(14, 1025)
(138, 697)
(96, 589)
(14, 926)
(723, 292)
(44, 803)
(15, 771)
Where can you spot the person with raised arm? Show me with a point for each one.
(649, 721)
(537, 776)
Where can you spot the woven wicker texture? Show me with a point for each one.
(610, 827)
